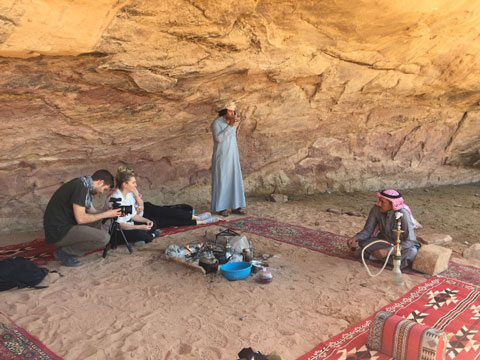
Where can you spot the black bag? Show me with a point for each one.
(20, 272)
(249, 354)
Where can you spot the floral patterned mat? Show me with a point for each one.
(329, 243)
(17, 343)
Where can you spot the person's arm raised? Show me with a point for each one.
(82, 217)
(218, 134)
(138, 200)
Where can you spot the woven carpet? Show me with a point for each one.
(40, 252)
(17, 343)
(445, 304)
(328, 243)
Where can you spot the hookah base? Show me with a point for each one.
(396, 276)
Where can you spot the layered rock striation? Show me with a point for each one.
(332, 95)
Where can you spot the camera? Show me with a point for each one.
(126, 209)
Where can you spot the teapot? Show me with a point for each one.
(209, 262)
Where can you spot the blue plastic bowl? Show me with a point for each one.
(236, 270)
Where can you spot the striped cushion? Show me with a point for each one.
(404, 339)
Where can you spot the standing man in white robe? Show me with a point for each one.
(227, 184)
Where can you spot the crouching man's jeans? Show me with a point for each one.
(81, 239)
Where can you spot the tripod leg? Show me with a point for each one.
(105, 249)
(112, 243)
(111, 231)
(127, 244)
(116, 229)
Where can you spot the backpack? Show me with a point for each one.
(20, 272)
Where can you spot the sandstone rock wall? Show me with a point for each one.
(332, 95)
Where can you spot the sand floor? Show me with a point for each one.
(142, 306)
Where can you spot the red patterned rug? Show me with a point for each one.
(17, 343)
(328, 243)
(445, 304)
(41, 253)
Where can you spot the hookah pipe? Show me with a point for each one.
(396, 276)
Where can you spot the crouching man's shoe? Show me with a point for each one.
(66, 259)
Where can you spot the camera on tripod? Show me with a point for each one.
(116, 204)
(115, 229)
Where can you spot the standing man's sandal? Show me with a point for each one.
(239, 211)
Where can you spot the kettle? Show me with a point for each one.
(208, 261)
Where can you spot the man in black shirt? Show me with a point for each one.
(68, 212)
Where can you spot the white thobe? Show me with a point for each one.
(227, 183)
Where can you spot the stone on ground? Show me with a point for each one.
(432, 259)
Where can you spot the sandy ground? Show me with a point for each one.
(141, 306)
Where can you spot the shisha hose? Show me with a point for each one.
(396, 277)
(386, 259)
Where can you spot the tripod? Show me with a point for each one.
(115, 230)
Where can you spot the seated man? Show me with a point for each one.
(381, 224)
(67, 212)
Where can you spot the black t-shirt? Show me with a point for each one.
(59, 218)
